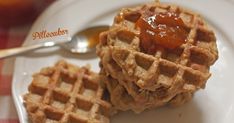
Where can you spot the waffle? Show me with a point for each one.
(66, 93)
(165, 74)
(123, 101)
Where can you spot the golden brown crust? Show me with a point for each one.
(167, 74)
(66, 93)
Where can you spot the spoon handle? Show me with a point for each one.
(19, 50)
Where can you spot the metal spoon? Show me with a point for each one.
(82, 42)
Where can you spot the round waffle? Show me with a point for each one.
(66, 93)
(158, 77)
(121, 100)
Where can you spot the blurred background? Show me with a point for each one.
(16, 18)
(19, 12)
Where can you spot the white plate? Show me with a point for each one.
(212, 105)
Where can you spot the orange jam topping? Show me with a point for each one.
(161, 29)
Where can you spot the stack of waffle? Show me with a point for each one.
(137, 80)
(66, 93)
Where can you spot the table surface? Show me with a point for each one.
(10, 37)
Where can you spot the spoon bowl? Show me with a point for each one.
(85, 41)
